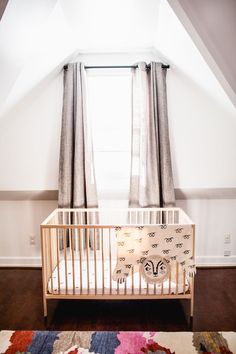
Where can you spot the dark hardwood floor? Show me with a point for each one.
(214, 309)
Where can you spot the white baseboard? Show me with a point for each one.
(20, 262)
(203, 261)
(215, 261)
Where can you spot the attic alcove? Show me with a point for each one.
(201, 114)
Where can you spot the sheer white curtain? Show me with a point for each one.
(151, 182)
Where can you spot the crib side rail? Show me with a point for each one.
(114, 217)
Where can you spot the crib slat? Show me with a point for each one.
(176, 217)
(63, 243)
(184, 280)
(110, 261)
(50, 256)
(87, 256)
(140, 281)
(58, 261)
(167, 217)
(72, 258)
(95, 259)
(65, 259)
(170, 216)
(102, 264)
(149, 217)
(132, 281)
(129, 217)
(80, 234)
(177, 278)
(170, 281)
(76, 238)
(158, 221)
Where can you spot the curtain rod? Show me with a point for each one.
(119, 67)
(122, 67)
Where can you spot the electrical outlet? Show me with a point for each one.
(227, 253)
(227, 238)
(32, 240)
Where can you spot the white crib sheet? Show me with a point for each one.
(68, 288)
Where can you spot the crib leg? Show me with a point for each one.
(192, 296)
(45, 309)
(191, 311)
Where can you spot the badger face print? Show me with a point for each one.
(154, 269)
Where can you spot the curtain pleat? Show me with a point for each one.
(77, 184)
(151, 181)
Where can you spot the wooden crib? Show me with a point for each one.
(79, 254)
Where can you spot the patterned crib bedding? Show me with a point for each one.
(134, 284)
(154, 249)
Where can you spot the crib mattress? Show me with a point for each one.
(134, 284)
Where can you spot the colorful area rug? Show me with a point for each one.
(48, 342)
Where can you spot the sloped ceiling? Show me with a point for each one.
(3, 4)
(33, 42)
(38, 37)
(212, 26)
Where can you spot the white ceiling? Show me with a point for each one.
(112, 25)
(38, 37)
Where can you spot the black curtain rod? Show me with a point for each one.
(119, 67)
(122, 67)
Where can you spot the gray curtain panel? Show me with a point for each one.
(151, 182)
(77, 185)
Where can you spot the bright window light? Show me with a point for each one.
(109, 111)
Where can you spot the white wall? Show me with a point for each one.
(19, 221)
(202, 125)
(29, 145)
(30, 137)
(202, 118)
(202, 132)
(214, 218)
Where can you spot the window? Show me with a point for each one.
(109, 111)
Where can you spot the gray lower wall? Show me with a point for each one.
(180, 194)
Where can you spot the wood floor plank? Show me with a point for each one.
(215, 306)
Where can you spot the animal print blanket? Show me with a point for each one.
(153, 248)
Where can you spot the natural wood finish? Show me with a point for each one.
(214, 306)
(125, 296)
(80, 260)
(44, 279)
(51, 231)
(192, 279)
